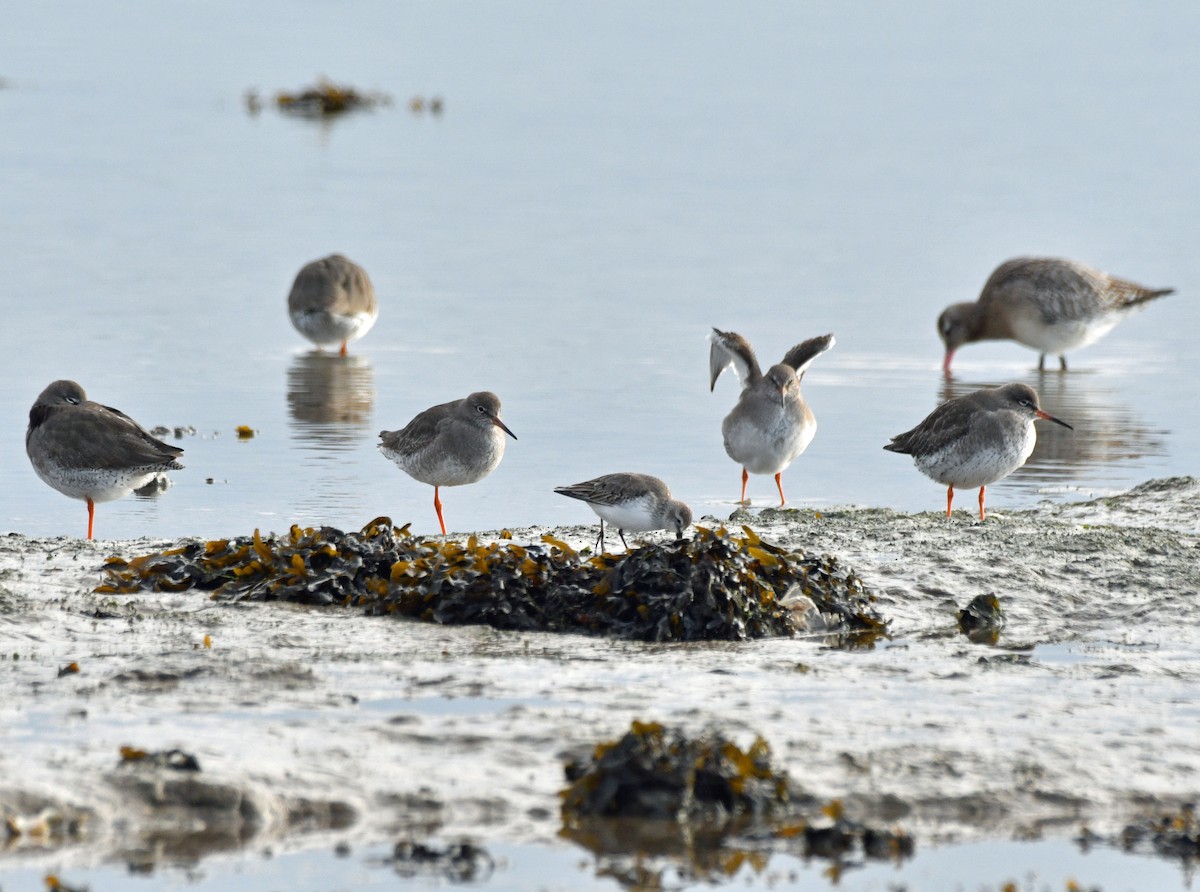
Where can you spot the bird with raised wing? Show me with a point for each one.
(771, 424)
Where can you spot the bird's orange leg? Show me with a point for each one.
(745, 477)
(949, 498)
(981, 489)
(342, 352)
(437, 506)
(91, 516)
(779, 483)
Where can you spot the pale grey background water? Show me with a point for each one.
(606, 183)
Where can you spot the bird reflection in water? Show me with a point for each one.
(331, 399)
(1110, 443)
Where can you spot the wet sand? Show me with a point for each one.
(313, 726)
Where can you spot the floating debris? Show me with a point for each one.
(704, 805)
(418, 104)
(178, 432)
(324, 99)
(715, 586)
(982, 619)
(245, 431)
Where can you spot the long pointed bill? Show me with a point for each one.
(947, 360)
(500, 424)
(1046, 416)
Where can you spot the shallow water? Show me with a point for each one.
(974, 867)
(606, 183)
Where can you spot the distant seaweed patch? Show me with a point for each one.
(717, 585)
(322, 100)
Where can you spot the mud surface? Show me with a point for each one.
(317, 725)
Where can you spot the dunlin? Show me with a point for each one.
(771, 424)
(450, 445)
(332, 302)
(975, 440)
(635, 502)
(1046, 303)
(89, 451)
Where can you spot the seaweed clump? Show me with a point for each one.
(1173, 835)
(715, 586)
(982, 619)
(702, 805)
(324, 99)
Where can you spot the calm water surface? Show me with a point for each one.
(606, 183)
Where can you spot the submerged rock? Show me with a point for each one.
(715, 586)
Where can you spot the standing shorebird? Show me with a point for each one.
(771, 424)
(635, 502)
(450, 445)
(975, 440)
(1045, 303)
(332, 302)
(89, 451)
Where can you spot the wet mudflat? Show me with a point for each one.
(315, 727)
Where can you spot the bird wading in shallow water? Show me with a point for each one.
(89, 451)
(975, 440)
(452, 444)
(1046, 303)
(771, 423)
(635, 502)
(332, 302)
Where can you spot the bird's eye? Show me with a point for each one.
(1026, 403)
(482, 410)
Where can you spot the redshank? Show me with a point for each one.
(635, 502)
(1046, 303)
(332, 302)
(89, 451)
(975, 440)
(771, 424)
(450, 445)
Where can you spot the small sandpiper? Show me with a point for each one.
(450, 445)
(635, 502)
(89, 451)
(771, 423)
(975, 440)
(1046, 303)
(332, 302)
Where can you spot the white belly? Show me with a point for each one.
(1032, 330)
(771, 444)
(99, 486)
(330, 329)
(634, 516)
(970, 467)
